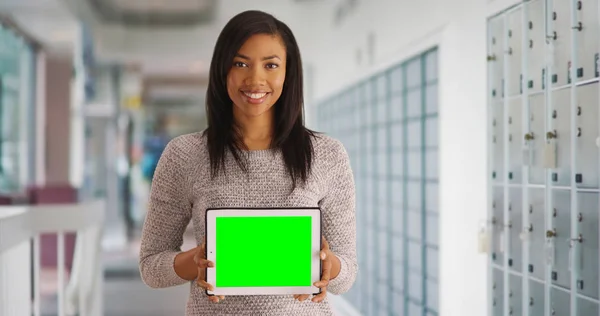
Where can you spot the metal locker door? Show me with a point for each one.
(498, 228)
(498, 141)
(515, 33)
(515, 228)
(561, 116)
(587, 308)
(587, 133)
(537, 118)
(587, 261)
(536, 42)
(561, 201)
(537, 236)
(587, 39)
(497, 292)
(536, 299)
(515, 141)
(496, 52)
(560, 36)
(560, 303)
(515, 296)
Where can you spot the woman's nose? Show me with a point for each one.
(255, 76)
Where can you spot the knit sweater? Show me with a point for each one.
(182, 190)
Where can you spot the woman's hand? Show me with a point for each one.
(203, 264)
(328, 261)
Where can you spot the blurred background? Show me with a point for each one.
(477, 175)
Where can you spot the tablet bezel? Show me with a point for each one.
(210, 223)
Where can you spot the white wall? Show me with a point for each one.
(403, 29)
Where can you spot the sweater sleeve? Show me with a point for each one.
(339, 219)
(169, 213)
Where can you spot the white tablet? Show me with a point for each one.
(263, 251)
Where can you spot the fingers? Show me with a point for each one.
(301, 297)
(203, 284)
(319, 298)
(324, 243)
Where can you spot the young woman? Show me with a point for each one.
(255, 152)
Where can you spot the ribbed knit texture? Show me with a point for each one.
(182, 190)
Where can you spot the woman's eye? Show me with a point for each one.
(272, 66)
(239, 64)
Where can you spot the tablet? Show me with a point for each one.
(263, 251)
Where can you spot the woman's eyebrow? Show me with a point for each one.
(264, 58)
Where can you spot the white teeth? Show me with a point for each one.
(255, 95)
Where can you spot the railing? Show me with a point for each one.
(20, 229)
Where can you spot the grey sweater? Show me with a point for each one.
(182, 190)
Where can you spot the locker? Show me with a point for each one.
(536, 44)
(414, 135)
(397, 137)
(413, 73)
(414, 309)
(432, 295)
(497, 292)
(515, 296)
(588, 228)
(432, 229)
(431, 194)
(414, 195)
(432, 263)
(415, 290)
(515, 228)
(397, 81)
(561, 202)
(587, 39)
(431, 164)
(537, 117)
(561, 114)
(398, 304)
(585, 308)
(560, 35)
(398, 277)
(431, 99)
(414, 225)
(415, 161)
(397, 249)
(413, 105)
(560, 303)
(515, 141)
(498, 226)
(496, 52)
(536, 298)
(397, 221)
(431, 130)
(587, 131)
(537, 237)
(414, 255)
(514, 59)
(498, 141)
(397, 102)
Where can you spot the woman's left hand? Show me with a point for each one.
(327, 258)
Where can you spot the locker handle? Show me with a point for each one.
(551, 233)
(579, 27)
(551, 135)
(529, 136)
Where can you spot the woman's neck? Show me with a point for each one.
(257, 132)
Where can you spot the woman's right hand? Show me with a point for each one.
(203, 264)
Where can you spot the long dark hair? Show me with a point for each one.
(291, 137)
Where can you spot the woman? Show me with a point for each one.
(255, 152)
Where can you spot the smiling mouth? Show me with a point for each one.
(255, 95)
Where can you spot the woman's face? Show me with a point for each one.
(256, 78)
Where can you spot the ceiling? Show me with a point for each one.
(163, 38)
(155, 13)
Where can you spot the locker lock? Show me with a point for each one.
(554, 36)
(579, 26)
(531, 301)
(578, 239)
(578, 111)
(579, 132)
(551, 233)
(529, 136)
(554, 212)
(530, 228)
(491, 58)
(580, 217)
(579, 5)
(551, 135)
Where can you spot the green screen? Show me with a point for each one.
(263, 251)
